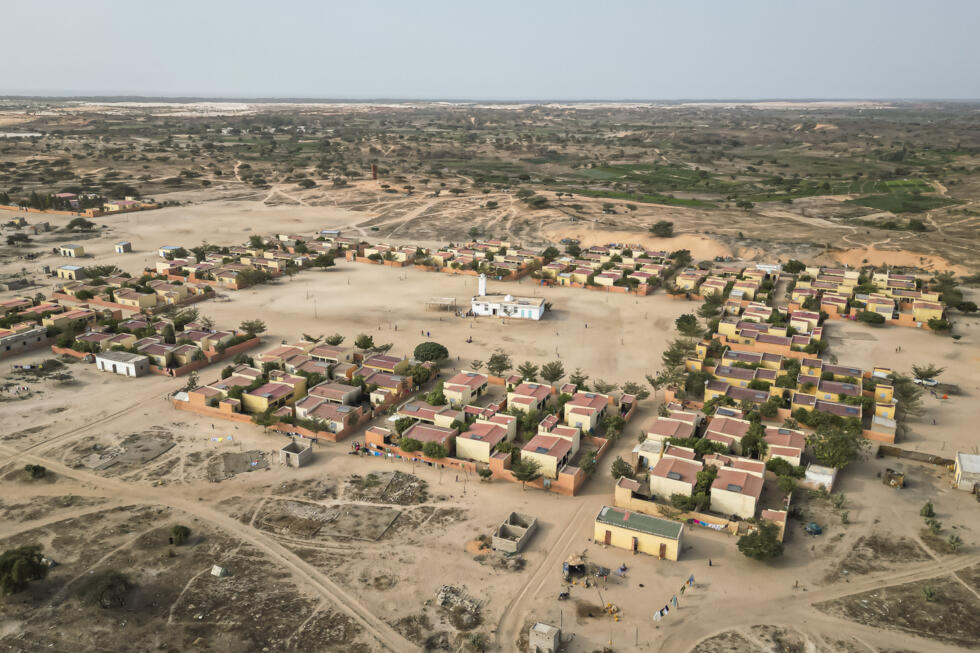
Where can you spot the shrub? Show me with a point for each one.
(180, 534)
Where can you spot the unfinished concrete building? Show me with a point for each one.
(514, 533)
(296, 454)
(543, 638)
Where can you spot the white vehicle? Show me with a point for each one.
(926, 382)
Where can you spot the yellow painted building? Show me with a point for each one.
(637, 532)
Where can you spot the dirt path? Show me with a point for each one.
(304, 573)
(798, 606)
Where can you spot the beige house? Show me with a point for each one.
(674, 476)
(736, 492)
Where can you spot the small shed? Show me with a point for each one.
(966, 472)
(296, 454)
(124, 246)
(218, 571)
(543, 638)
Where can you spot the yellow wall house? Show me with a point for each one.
(635, 531)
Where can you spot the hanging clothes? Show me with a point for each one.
(683, 587)
(673, 600)
(657, 616)
(690, 581)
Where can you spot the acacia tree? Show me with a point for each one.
(930, 371)
(526, 470)
(252, 328)
(498, 363)
(528, 371)
(364, 341)
(635, 389)
(552, 372)
(579, 379)
(334, 340)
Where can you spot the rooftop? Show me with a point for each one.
(636, 521)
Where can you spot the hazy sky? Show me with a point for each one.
(498, 49)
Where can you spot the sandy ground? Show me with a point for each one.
(386, 582)
(623, 341)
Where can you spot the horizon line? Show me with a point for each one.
(268, 99)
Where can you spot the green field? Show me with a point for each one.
(641, 197)
(903, 203)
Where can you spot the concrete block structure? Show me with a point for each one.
(123, 246)
(514, 533)
(296, 454)
(543, 638)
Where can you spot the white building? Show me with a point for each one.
(122, 362)
(525, 308)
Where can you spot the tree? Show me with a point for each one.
(763, 543)
(663, 229)
(256, 241)
(180, 534)
(403, 423)
(106, 589)
(635, 389)
(484, 473)
(526, 470)
(967, 307)
(314, 339)
(550, 253)
(753, 443)
(434, 450)
(323, 261)
(18, 238)
(578, 379)
(870, 317)
(955, 542)
(252, 328)
(364, 341)
(334, 340)
(552, 372)
(528, 371)
(835, 446)
(20, 566)
(927, 510)
(206, 323)
(436, 397)
(409, 445)
(712, 305)
(677, 352)
(35, 471)
(793, 266)
(613, 426)
(687, 325)
(622, 468)
(787, 484)
(498, 363)
(475, 365)
(923, 372)
(430, 351)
